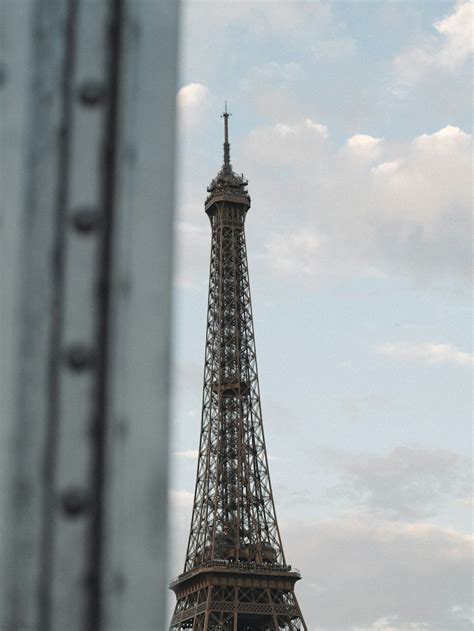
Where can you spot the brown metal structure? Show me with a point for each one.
(235, 575)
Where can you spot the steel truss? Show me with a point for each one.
(234, 608)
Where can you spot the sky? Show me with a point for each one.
(352, 122)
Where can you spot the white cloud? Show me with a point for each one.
(457, 30)
(431, 181)
(317, 127)
(361, 573)
(272, 71)
(389, 623)
(180, 499)
(273, 458)
(192, 254)
(289, 144)
(299, 129)
(372, 208)
(385, 168)
(304, 254)
(407, 484)
(443, 139)
(192, 95)
(361, 142)
(421, 208)
(356, 408)
(429, 353)
(234, 26)
(282, 252)
(364, 147)
(271, 89)
(334, 48)
(467, 502)
(445, 51)
(192, 100)
(189, 454)
(290, 19)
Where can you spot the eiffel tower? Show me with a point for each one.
(235, 577)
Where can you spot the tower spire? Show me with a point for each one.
(225, 115)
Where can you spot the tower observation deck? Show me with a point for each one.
(235, 576)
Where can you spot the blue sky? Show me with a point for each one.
(351, 121)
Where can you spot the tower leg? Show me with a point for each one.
(236, 605)
(206, 617)
(274, 616)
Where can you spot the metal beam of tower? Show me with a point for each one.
(87, 93)
(235, 575)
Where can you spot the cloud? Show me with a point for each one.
(369, 208)
(444, 51)
(449, 133)
(272, 71)
(287, 144)
(429, 182)
(334, 49)
(303, 130)
(303, 255)
(305, 246)
(192, 254)
(407, 484)
(189, 373)
(457, 32)
(364, 146)
(362, 141)
(238, 27)
(357, 408)
(389, 623)
(262, 18)
(369, 574)
(429, 353)
(189, 454)
(385, 168)
(192, 101)
(181, 500)
(271, 88)
(192, 95)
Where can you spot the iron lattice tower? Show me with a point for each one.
(235, 575)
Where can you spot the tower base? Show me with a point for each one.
(237, 597)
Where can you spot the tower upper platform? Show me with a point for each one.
(227, 185)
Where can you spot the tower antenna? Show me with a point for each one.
(225, 115)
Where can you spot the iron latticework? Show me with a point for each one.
(235, 575)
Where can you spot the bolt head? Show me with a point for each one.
(92, 93)
(89, 580)
(85, 220)
(80, 357)
(3, 74)
(74, 502)
(118, 582)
